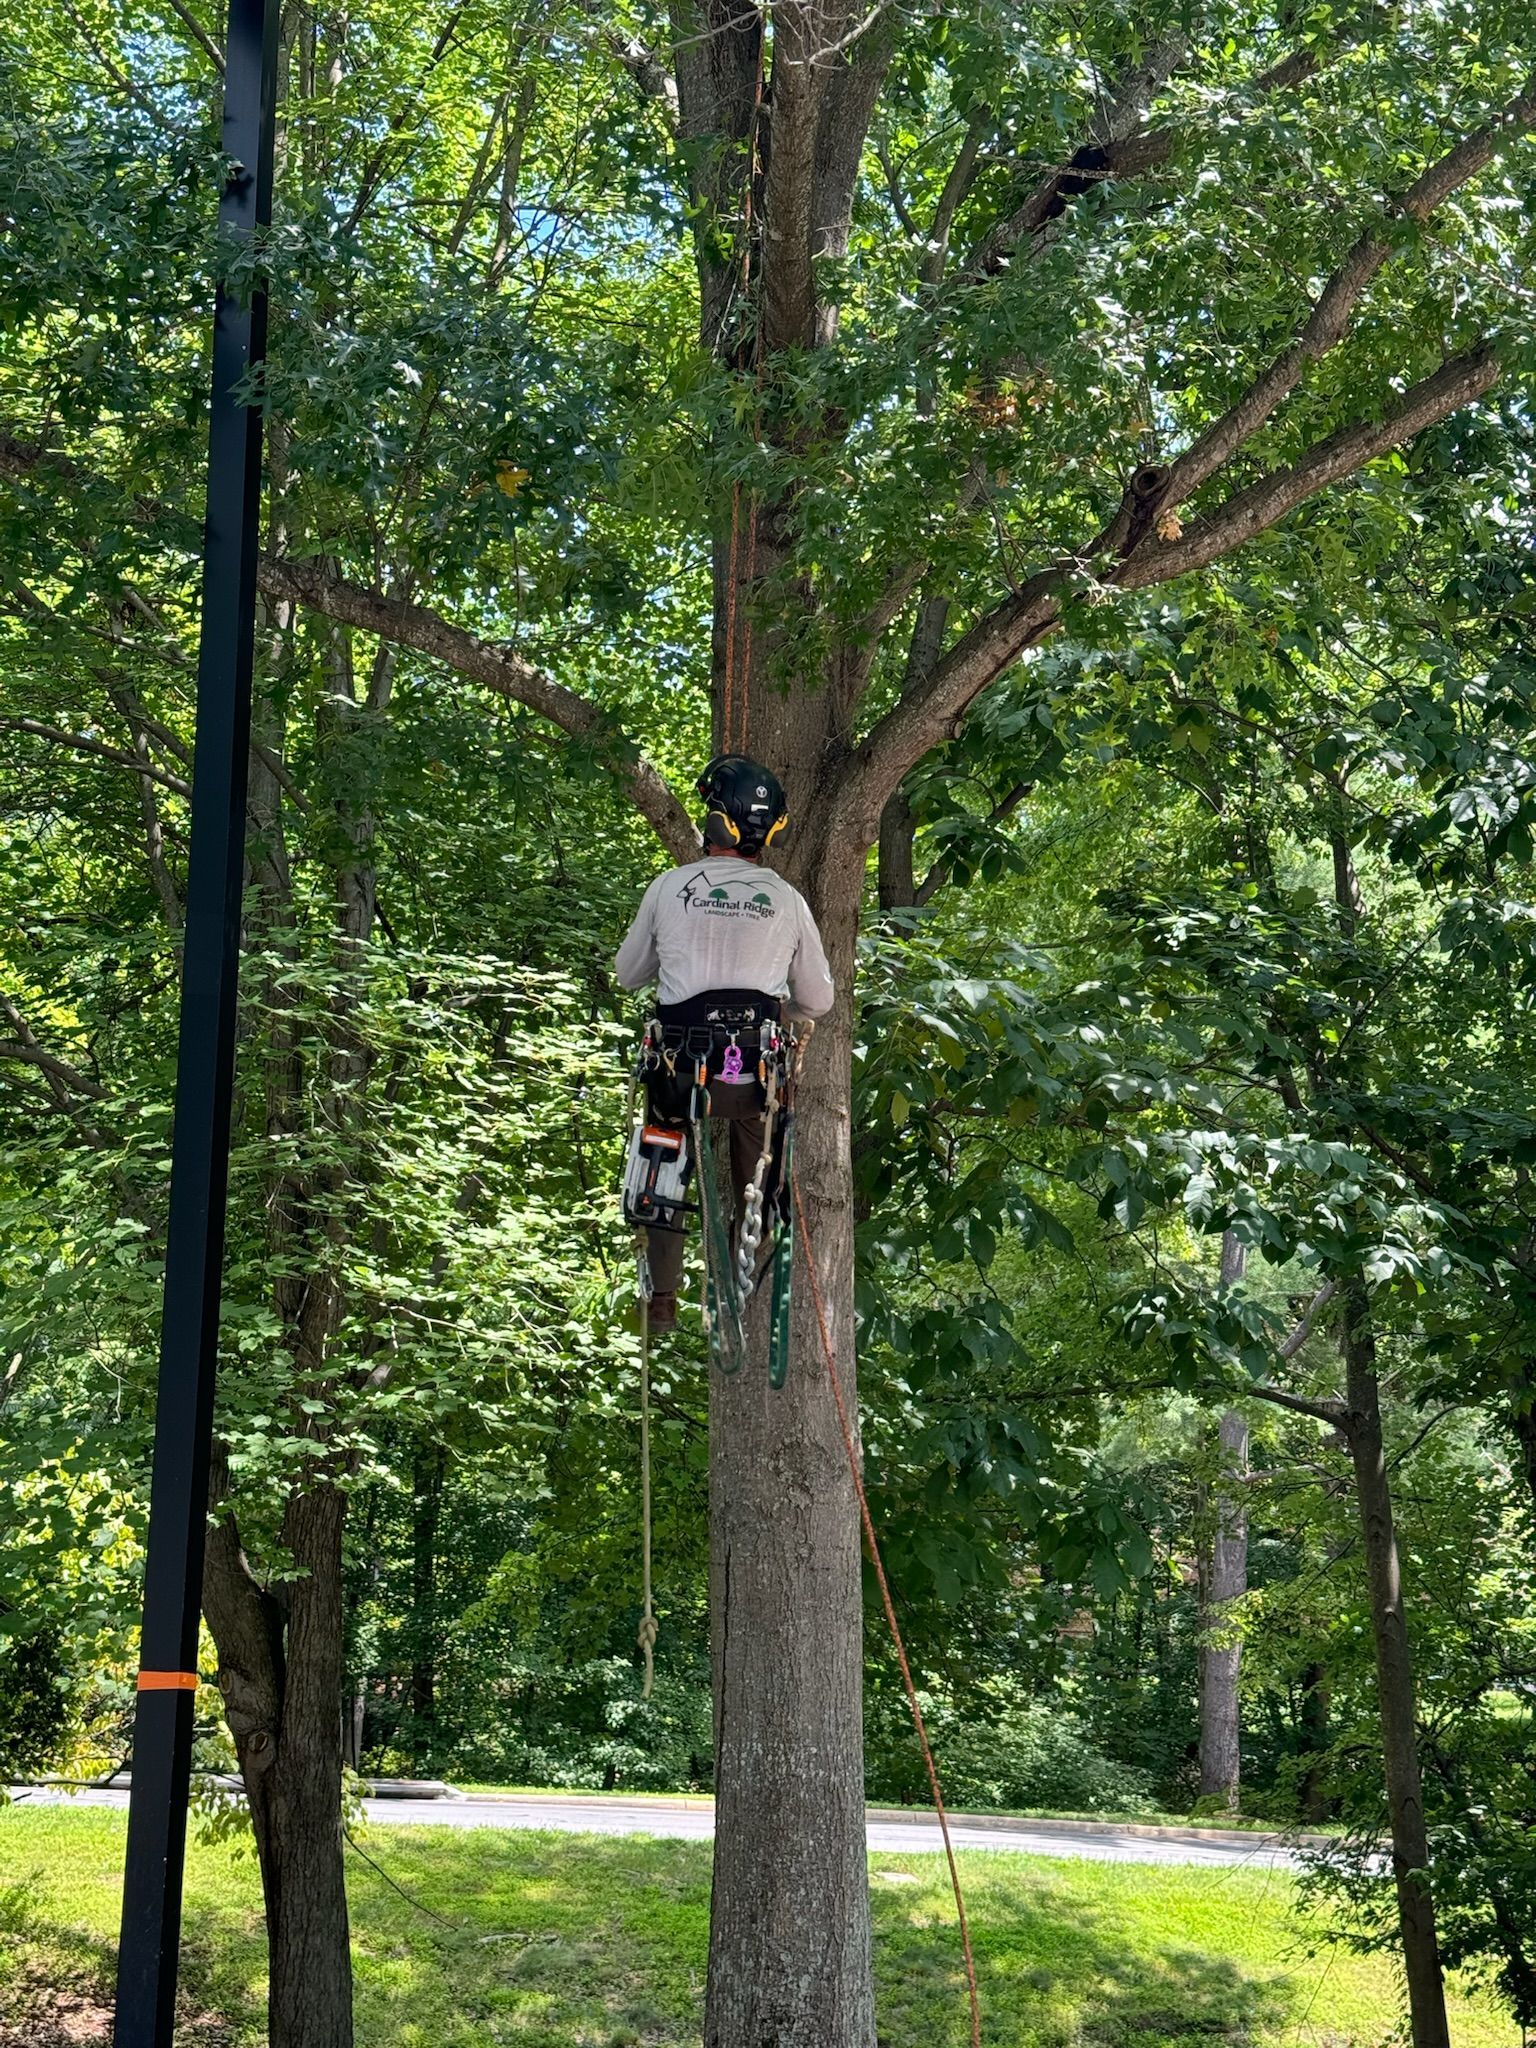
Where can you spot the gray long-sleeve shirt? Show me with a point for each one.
(724, 922)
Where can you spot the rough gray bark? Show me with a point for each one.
(789, 1919)
(898, 880)
(1394, 1677)
(296, 1805)
(1223, 1579)
(280, 1671)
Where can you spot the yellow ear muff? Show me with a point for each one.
(729, 823)
(776, 827)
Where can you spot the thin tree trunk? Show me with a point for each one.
(1522, 1420)
(1312, 1740)
(282, 1661)
(789, 1961)
(356, 1710)
(1394, 1679)
(1223, 1579)
(427, 1503)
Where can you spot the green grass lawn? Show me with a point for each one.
(566, 1941)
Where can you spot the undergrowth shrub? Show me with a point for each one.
(1036, 1755)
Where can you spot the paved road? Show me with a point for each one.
(638, 1817)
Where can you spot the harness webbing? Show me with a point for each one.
(890, 1606)
(727, 1339)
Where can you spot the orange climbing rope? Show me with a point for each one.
(890, 1607)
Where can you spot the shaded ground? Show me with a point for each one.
(564, 1941)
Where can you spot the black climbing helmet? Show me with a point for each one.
(745, 805)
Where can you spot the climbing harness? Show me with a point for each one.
(913, 1706)
(672, 1143)
(669, 1093)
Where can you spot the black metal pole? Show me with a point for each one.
(178, 1509)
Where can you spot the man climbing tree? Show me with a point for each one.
(734, 947)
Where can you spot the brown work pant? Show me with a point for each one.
(664, 1248)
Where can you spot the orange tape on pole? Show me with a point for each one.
(167, 1681)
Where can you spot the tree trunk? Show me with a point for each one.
(280, 1671)
(789, 1958)
(1394, 1679)
(1312, 1740)
(296, 1803)
(1223, 1579)
(1522, 1420)
(355, 1714)
(426, 1504)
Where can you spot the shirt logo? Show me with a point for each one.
(726, 899)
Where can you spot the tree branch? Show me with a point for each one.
(418, 626)
(647, 70)
(403, 624)
(58, 1071)
(200, 36)
(1330, 316)
(408, 113)
(1313, 1310)
(789, 179)
(1116, 147)
(1334, 1413)
(928, 715)
(1262, 503)
(938, 874)
(82, 745)
(962, 173)
(716, 48)
(1120, 147)
(848, 106)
